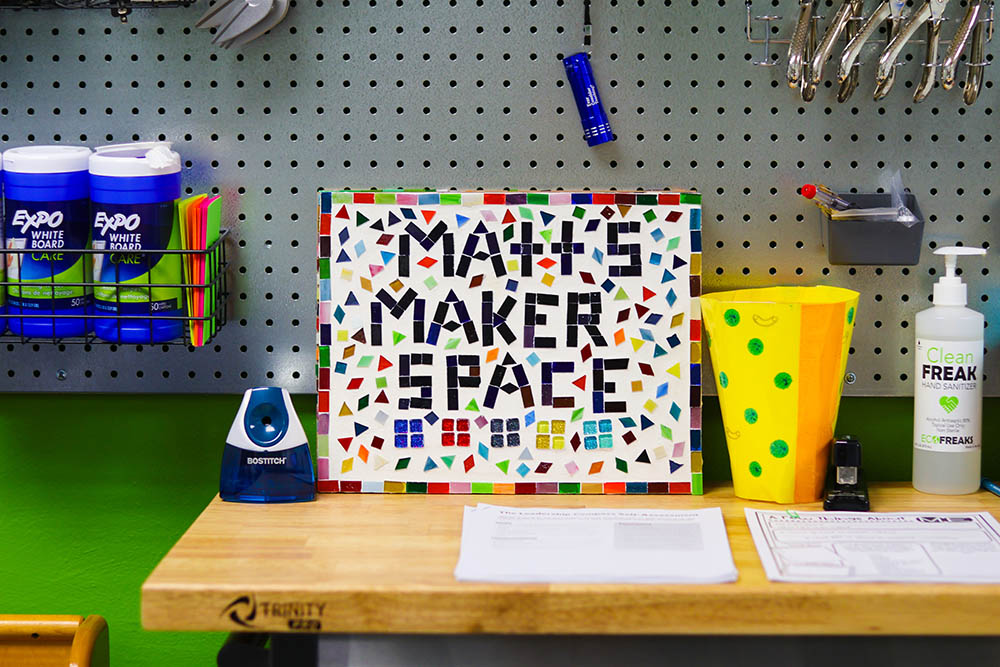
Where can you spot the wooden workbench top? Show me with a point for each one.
(384, 563)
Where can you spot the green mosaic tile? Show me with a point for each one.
(451, 198)
(569, 487)
(690, 198)
(385, 197)
(416, 487)
(538, 198)
(696, 484)
(482, 487)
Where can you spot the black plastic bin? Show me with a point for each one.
(862, 242)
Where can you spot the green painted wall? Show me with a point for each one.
(94, 490)
(95, 496)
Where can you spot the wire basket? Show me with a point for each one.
(213, 291)
(120, 9)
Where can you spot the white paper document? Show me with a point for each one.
(511, 544)
(932, 547)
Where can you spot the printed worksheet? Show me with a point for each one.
(514, 544)
(931, 547)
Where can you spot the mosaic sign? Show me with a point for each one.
(509, 342)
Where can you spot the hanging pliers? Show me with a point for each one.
(977, 60)
(972, 26)
(848, 85)
(799, 47)
(931, 13)
(841, 19)
(890, 11)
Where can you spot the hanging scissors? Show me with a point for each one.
(931, 13)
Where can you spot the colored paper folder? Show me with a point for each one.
(201, 218)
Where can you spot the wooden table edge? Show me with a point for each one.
(764, 608)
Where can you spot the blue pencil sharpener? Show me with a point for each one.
(267, 457)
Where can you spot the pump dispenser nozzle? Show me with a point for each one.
(949, 290)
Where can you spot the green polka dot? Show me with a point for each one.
(750, 415)
(723, 380)
(850, 315)
(779, 449)
(732, 317)
(755, 469)
(756, 346)
(782, 380)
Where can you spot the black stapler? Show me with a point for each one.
(846, 489)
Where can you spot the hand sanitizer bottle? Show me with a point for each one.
(948, 390)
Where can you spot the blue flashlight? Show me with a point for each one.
(596, 128)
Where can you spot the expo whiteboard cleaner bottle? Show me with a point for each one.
(47, 211)
(133, 188)
(948, 394)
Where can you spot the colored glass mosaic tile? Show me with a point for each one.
(514, 342)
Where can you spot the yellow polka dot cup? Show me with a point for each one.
(779, 355)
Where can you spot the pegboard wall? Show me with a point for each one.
(471, 94)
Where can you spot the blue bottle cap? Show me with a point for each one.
(596, 128)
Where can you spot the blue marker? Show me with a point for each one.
(596, 128)
(992, 487)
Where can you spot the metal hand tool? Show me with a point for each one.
(253, 12)
(892, 26)
(850, 83)
(958, 42)
(241, 21)
(220, 13)
(977, 59)
(806, 87)
(799, 43)
(841, 19)
(274, 17)
(890, 11)
(931, 11)
(930, 65)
